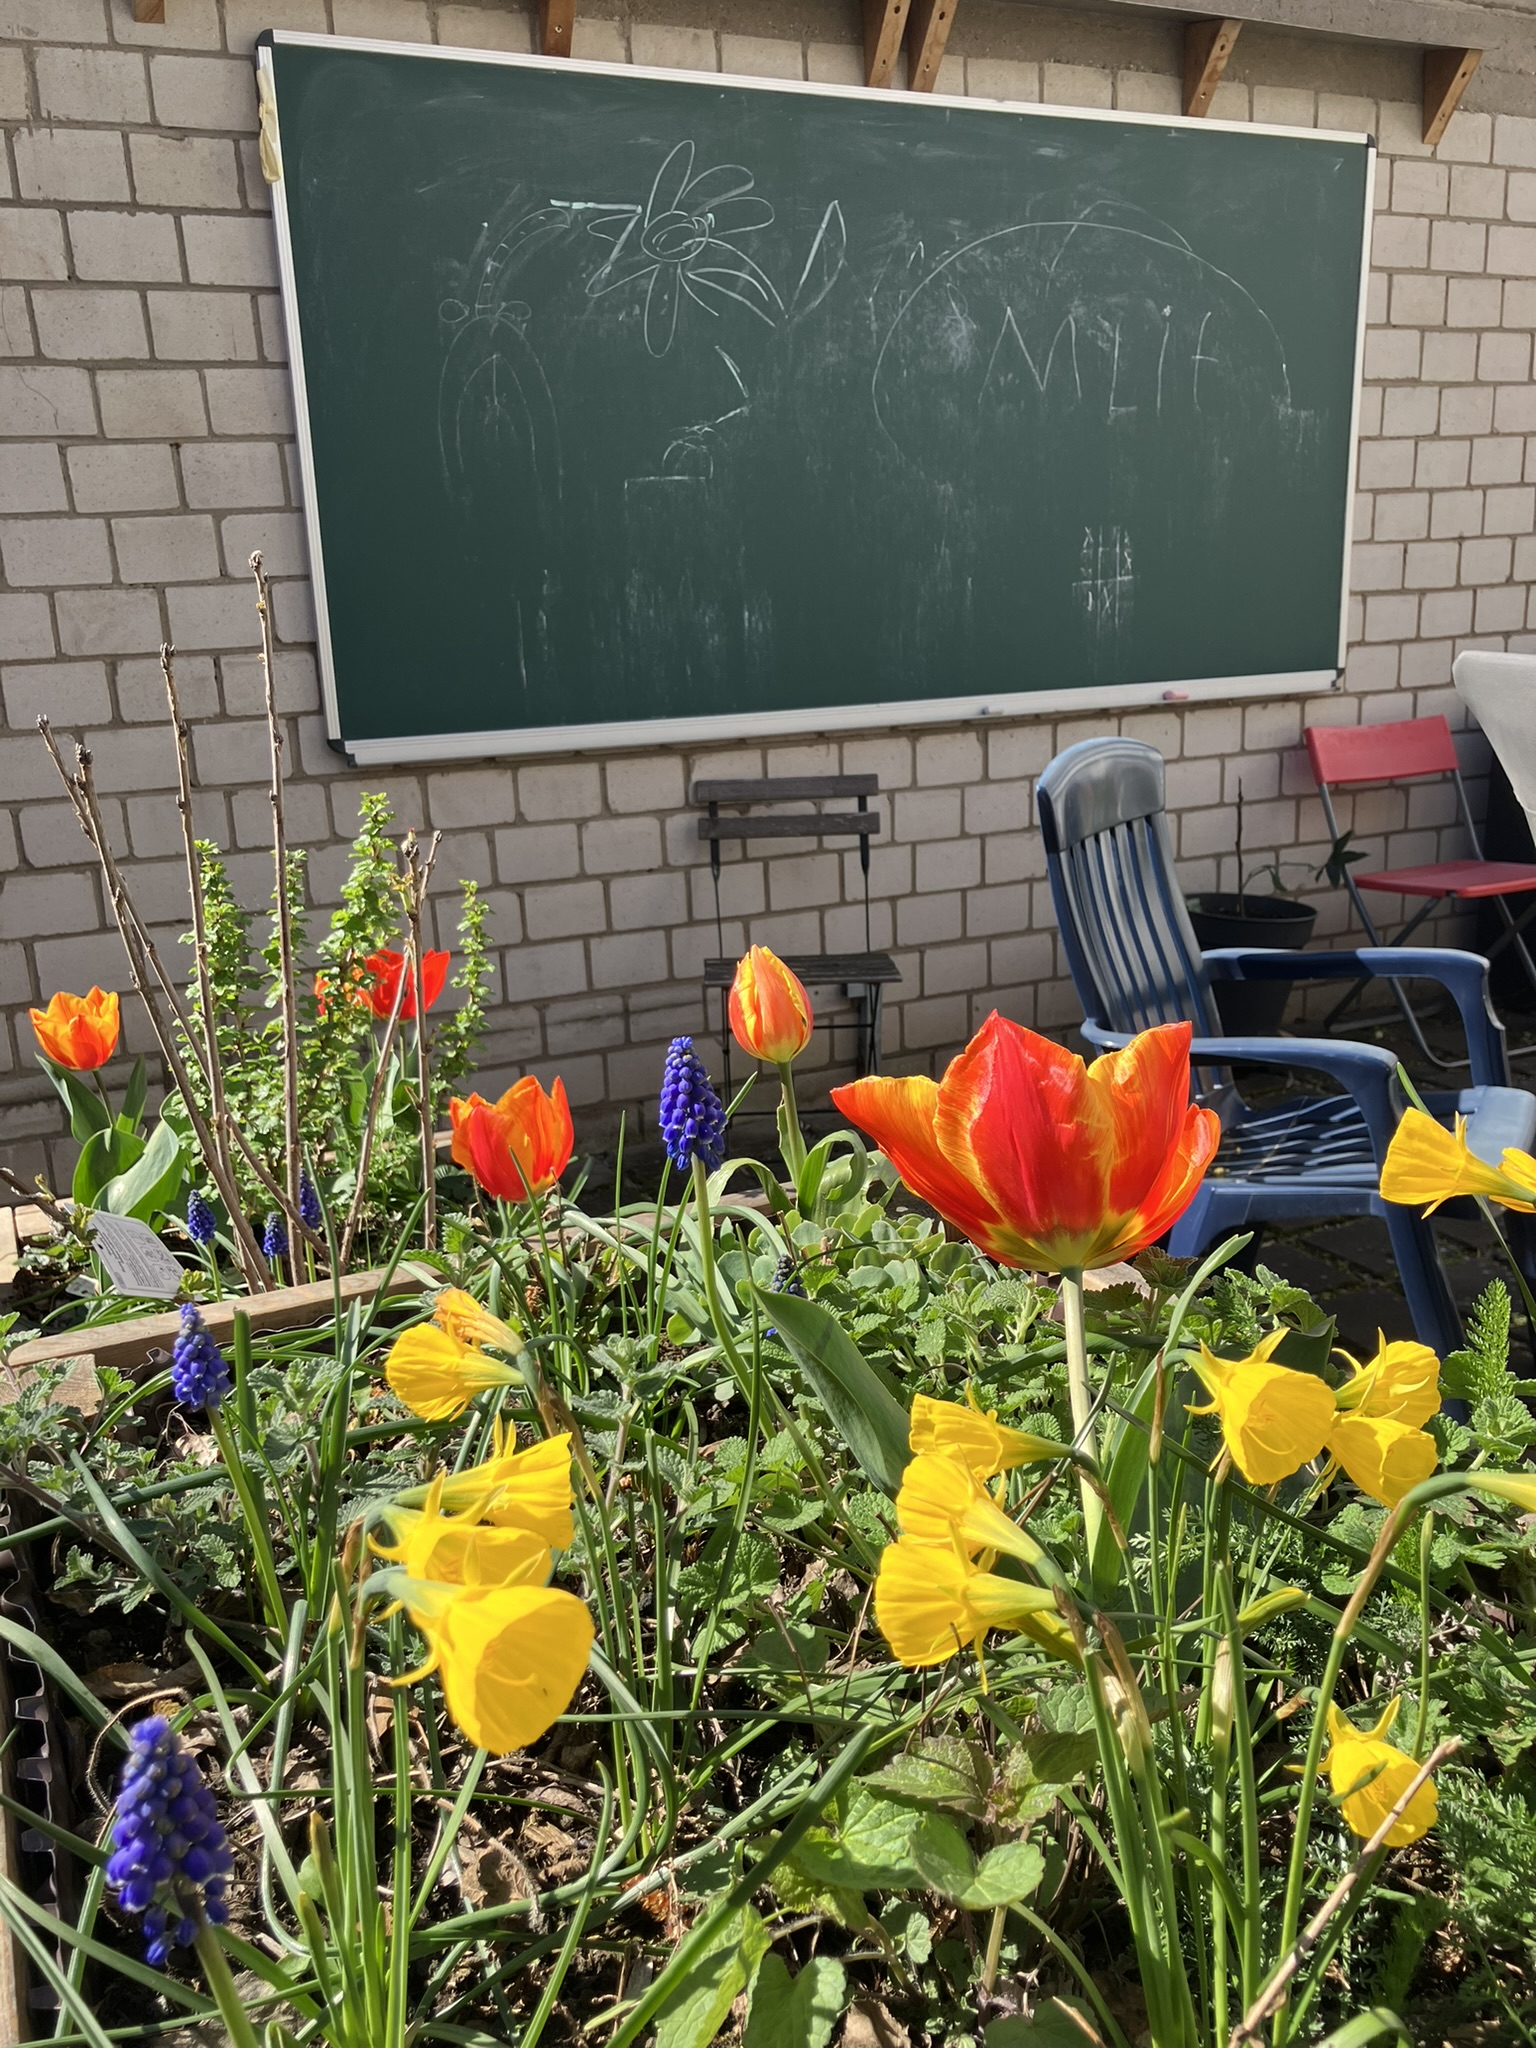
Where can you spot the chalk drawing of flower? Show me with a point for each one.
(687, 240)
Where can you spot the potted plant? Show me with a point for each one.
(1280, 921)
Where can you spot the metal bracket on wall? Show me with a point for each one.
(1446, 74)
(557, 20)
(1207, 46)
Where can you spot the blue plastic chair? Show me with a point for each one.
(1135, 962)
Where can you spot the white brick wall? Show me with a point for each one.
(145, 449)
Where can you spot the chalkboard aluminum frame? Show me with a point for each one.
(616, 736)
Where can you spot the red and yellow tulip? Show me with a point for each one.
(1038, 1159)
(518, 1146)
(79, 1032)
(769, 1009)
(383, 971)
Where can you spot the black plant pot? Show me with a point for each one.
(1251, 1009)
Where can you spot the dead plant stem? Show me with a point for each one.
(287, 994)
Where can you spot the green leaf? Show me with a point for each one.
(48, 1660)
(869, 1419)
(1006, 1874)
(150, 1182)
(795, 2012)
(1125, 1471)
(106, 1153)
(943, 1771)
(694, 2013)
(87, 1111)
(1055, 2023)
(133, 1095)
(881, 1845)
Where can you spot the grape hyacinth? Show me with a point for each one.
(199, 1371)
(171, 1860)
(692, 1116)
(309, 1203)
(201, 1221)
(786, 1277)
(274, 1238)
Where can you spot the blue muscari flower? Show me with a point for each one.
(274, 1238)
(309, 1204)
(786, 1277)
(201, 1221)
(171, 1860)
(199, 1372)
(692, 1116)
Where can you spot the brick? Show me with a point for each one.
(1502, 358)
(1432, 565)
(280, 537)
(1376, 567)
(396, 21)
(1500, 610)
(1514, 409)
(188, 170)
(1473, 301)
(91, 85)
(45, 552)
(151, 404)
(1468, 411)
(98, 326)
(949, 757)
(71, 693)
(31, 479)
(31, 243)
(1385, 466)
(1145, 92)
(124, 247)
(1346, 113)
(1514, 140)
(947, 864)
(1442, 464)
(13, 86)
(620, 845)
(638, 782)
(1403, 515)
(1455, 513)
(244, 19)
(1421, 187)
(557, 970)
(1522, 196)
(1486, 561)
(1399, 242)
(293, 612)
(1477, 192)
(249, 402)
(132, 478)
(1468, 139)
(175, 548)
(1446, 612)
(1076, 85)
(1512, 251)
(274, 335)
(45, 401)
(53, 21)
(1458, 245)
(1392, 352)
(635, 901)
(629, 959)
(761, 56)
(70, 163)
(1410, 409)
(1510, 511)
(213, 616)
(1400, 131)
(26, 630)
(202, 327)
(1449, 358)
(295, 689)
(1496, 461)
(223, 251)
(16, 337)
(108, 621)
(204, 92)
(988, 78)
(230, 473)
(674, 49)
(558, 790)
(598, 42)
(189, 25)
(33, 903)
(483, 28)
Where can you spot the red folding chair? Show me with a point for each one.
(1408, 750)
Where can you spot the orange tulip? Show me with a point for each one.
(770, 1010)
(1040, 1160)
(518, 1146)
(78, 1031)
(383, 972)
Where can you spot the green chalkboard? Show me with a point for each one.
(639, 406)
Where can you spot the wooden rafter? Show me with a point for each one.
(1446, 73)
(1207, 46)
(884, 22)
(557, 18)
(927, 33)
(149, 10)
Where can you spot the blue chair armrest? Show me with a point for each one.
(1463, 975)
(1366, 1072)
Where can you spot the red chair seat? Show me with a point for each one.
(1454, 878)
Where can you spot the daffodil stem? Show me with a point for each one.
(1080, 1398)
(791, 1138)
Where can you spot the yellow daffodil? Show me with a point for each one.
(1400, 1384)
(931, 1602)
(1384, 1458)
(459, 1549)
(974, 1434)
(513, 1489)
(1426, 1165)
(1273, 1420)
(1369, 1775)
(437, 1377)
(510, 1657)
(468, 1321)
(943, 1502)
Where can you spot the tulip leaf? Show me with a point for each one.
(133, 1096)
(1006, 1874)
(695, 2012)
(150, 1182)
(87, 1111)
(795, 2012)
(105, 1154)
(1128, 1443)
(865, 1414)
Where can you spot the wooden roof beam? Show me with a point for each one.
(927, 33)
(884, 24)
(1207, 46)
(1446, 75)
(557, 19)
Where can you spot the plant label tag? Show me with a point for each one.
(135, 1259)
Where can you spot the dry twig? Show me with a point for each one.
(286, 990)
(418, 873)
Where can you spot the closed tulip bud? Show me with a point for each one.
(769, 1008)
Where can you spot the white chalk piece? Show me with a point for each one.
(136, 1261)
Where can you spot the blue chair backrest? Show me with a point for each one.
(1133, 955)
